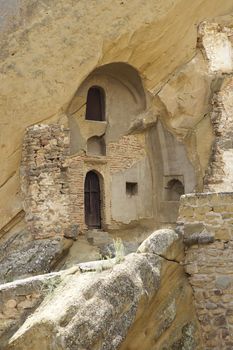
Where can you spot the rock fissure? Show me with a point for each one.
(170, 260)
(8, 179)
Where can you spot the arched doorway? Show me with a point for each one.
(92, 200)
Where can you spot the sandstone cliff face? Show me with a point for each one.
(48, 48)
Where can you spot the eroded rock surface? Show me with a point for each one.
(144, 302)
(22, 256)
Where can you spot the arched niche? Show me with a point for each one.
(122, 100)
(174, 190)
(96, 146)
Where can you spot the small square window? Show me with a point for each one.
(131, 188)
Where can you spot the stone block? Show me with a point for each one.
(11, 303)
(206, 269)
(202, 210)
(199, 217)
(191, 269)
(223, 282)
(221, 208)
(203, 200)
(211, 306)
(223, 234)
(72, 232)
(225, 332)
(190, 228)
(186, 212)
(10, 313)
(226, 298)
(26, 304)
(226, 216)
(220, 321)
(204, 237)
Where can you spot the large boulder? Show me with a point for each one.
(144, 302)
(22, 256)
(164, 243)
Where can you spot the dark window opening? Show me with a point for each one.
(131, 188)
(175, 189)
(95, 106)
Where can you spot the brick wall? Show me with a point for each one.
(206, 221)
(53, 182)
(120, 155)
(44, 180)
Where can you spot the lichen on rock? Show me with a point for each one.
(103, 309)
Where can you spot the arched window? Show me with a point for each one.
(95, 106)
(175, 189)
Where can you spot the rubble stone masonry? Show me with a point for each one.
(44, 180)
(206, 221)
(52, 181)
(219, 176)
(19, 299)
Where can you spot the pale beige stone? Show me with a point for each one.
(11, 303)
(26, 304)
(181, 93)
(218, 47)
(223, 234)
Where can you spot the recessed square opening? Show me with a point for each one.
(131, 188)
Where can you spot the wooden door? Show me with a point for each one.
(92, 200)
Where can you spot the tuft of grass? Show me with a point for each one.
(49, 286)
(119, 254)
(119, 250)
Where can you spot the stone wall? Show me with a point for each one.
(44, 180)
(53, 182)
(220, 173)
(215, 40)
(206, 221)
(19, 299)
(120, 156)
